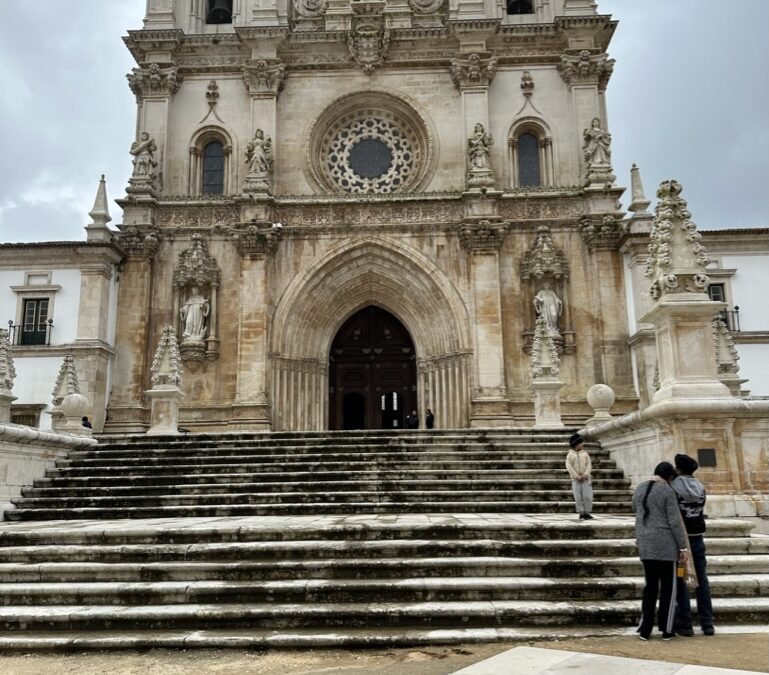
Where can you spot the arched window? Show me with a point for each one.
(529, 174)
(213, 168)
(219, 11)
(531, 154)
(210, 168)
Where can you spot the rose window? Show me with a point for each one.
(370, 155)
(369, 143)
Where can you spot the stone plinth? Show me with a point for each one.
(164, 418)
(547, 403)
(74, 407)
(685, 350)
(600, 397)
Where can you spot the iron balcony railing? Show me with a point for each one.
(30, 334)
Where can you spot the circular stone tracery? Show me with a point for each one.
(370, 142)
(370, 154)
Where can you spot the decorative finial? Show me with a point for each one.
(100, 211)
(166, 367)
(66, 381)
(640, 204)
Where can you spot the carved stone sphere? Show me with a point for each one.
(74, 405)
(600, 397)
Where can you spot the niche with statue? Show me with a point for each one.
(196, 286)
(545, 275)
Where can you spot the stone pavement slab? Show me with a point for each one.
(537, 661)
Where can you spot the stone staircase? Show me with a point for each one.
(340, 539)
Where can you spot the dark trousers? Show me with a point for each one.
(704, 603)
(660, 578)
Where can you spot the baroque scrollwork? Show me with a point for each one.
(258, 242)
(483, 237)
(310, 9)
(677, 258)
(473, 71)
(139, 243)
(154, 81)
(426, 6)
(601, 231)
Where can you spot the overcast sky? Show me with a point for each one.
(689, 99)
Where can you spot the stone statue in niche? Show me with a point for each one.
(597, 148)
(259, 161)
(479, 148)
(143, 152)
(548, 305)
(194, 316)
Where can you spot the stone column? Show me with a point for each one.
(252, 405)
(132, 340)
(490, 404)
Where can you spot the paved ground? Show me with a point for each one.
(725, 650)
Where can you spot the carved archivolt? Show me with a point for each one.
(369, 143)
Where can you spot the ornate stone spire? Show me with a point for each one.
(640, 204)
(7, 369)
(677, 258)
(544, 360)
(727, 356)
(167, 365)
(66, 381)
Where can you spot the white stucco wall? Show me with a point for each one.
(748, 289)
(35, 378)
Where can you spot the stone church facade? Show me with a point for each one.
(351, 209)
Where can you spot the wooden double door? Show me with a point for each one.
(372, 372)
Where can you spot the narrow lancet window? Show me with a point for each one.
(213, 168)
(529, 174)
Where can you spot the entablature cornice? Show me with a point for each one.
(139, 42)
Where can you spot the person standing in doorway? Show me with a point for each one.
(412, 420)
(579, 466)
(429, 419)
(691, 502)
(662, 541)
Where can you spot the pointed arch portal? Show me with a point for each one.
(372, 372)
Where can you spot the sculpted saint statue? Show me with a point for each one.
(479, 148)
(549, 305)
(259, 153)
(597, 144)
(194, 314)
(143, 151)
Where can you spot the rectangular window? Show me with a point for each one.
(34, 322)
(716, 292)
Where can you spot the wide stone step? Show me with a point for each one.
(401, 590)
(303, 508)
(267, 449)
(448, 614)
(295, 493)
(599, 474)
(538, 466)
(352, 483)
(553, 458)
(243, 569)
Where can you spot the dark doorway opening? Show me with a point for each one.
(372, 372)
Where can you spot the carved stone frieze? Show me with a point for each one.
(154, 81)
(142, 243)
(586, 68)
(483, 237)
(362, 214)
(541, 209)
(182, 217)
(473, 71)
(264, 77)
(677, 258)
(543, 258)
(258, 242)
(195, 265)
(369, 38)
(602, 232)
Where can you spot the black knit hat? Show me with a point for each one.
(575, 440)
(685, 464)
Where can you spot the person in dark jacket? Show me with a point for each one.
(429, 419)
(412, 420)
(662, 541)
(691, 502)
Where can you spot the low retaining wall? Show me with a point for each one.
(25, 454)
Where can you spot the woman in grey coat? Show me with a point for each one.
(662, 541)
